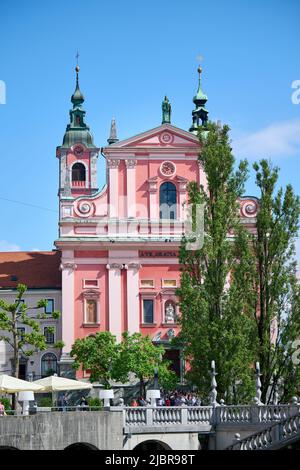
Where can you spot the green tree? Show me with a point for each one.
(18, 315)
(139, 356)
(217, 321)
(278, 301)
(107, 360)
(98, 354)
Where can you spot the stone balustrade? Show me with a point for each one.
(275, 436)
(206, 415)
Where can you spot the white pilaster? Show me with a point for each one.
(114, 300)
(131, 187)
(68, 267)
(133, 314)
(94, 157)
(113, 187)
(153, 202)
(182, 185)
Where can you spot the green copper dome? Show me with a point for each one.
(200, 113)
(77, 131)
(200, 97)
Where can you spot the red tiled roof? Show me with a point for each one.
(35, 269)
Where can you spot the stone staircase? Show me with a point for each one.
(282, 433)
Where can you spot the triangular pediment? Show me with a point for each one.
(165, 135)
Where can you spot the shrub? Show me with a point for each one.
(95, 403)
(45, 401)
(6, 403)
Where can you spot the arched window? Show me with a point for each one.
(167, 201)
(78, 172)
(49, 364)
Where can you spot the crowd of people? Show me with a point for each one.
(173, 398)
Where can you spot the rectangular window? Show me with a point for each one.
(147, 283)
(148, 311)
(90, 283)
(49, 335)
(21, 332)
(90, 311)
(169, 283)
(20, 302)
(50, 306)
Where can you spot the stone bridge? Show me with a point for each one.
(154, 428)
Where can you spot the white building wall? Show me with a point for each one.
(31, 297)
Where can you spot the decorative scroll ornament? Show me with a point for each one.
(249, 208)
(85, 209)
(167, 169)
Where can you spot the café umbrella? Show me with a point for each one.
(9, 384)
(54, 383)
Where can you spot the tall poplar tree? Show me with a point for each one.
(278, 300)
(217, 322)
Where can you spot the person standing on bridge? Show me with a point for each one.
(2, 409)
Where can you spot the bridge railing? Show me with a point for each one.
(274, 436)
(172, 415)
(254, 414)
(166, 415)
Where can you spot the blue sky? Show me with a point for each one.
(132, 53)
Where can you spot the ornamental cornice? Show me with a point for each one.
(91, 294)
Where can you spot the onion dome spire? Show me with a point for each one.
(113, 132)
(77, 97)
(200, 113)
(77, 131)
(166, 111)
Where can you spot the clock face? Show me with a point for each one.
(78, 150)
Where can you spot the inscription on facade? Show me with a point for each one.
(158, 254)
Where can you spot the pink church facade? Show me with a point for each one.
(119, 245)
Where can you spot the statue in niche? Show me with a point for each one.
(91, 311)
(170, 314)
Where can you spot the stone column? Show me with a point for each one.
(68, 335)
(113, 187)
(131, 187)
(114, 300)
(133, 311)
